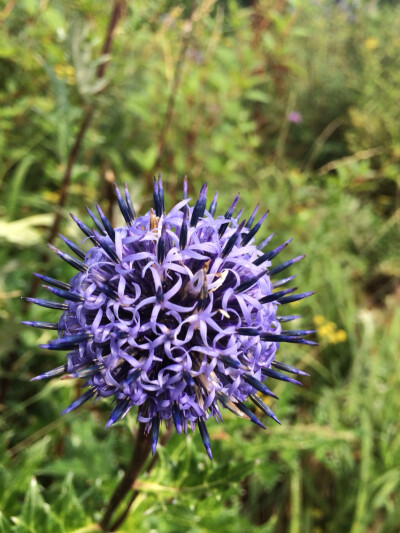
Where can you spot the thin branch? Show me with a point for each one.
(321, 140)
(350, 159)
(169, 112)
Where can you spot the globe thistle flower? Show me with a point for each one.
(173, 314)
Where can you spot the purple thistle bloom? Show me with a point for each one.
(295, 117)
(173, 313)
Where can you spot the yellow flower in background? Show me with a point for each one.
(341, 335)
(50, 196)
(65, 72)
(371, 43)
(319, 320)
(328, 331)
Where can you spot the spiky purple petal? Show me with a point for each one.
(72, 246)
(283, 266)
(87, 395)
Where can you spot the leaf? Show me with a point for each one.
(22, 231)
(256, 95)
(17, 183)
(145, 159)
(34, 512)
(5, 525)
(68, 506)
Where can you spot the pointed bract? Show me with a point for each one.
(275, 270)
(295, 297)
(247, 238)
(250, 414)
(66, 295)
(106, 223)
(47, 303)
(263, 407)
(42, 325)
(51, 373)
(205, 437)
(80, 401)
(279, 282)
(276, 296)
(85, 230)
(272, 337)
(200, 206)
(96, 221)
(66, 343)
(129, 203)
(252, 217)
(232, 241)
(75, 263)
(162, 244)
(177, 417)
(155, 428)
(161, 193)
(118, 412)
(249, 282)
(72, 246)
(107, 247)
(183, 235)
(271, 373)
(54, 282)
(287, 318)
(129, 219)
(228, 215)
(268, 256)
(288, 368)
(213, 205)
(258, 385)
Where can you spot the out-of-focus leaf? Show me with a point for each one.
(68, 507)
(36, 515)
(24, 231)
(146, 158)
(258, 96)
(16, 185)
(5, 524)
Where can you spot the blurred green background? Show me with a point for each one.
(296, 105)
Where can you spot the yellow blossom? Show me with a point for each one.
(65, 72)
(319, 320)
(371, 43)
(328, 331)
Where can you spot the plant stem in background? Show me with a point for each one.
(115, 16)
(162, 138)
(139, 457)
(122, 517)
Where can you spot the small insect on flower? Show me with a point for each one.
(174, 313)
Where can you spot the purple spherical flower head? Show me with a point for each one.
(174, 313)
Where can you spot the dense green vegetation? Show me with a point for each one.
(292, 103)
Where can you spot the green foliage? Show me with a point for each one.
(330, 181)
